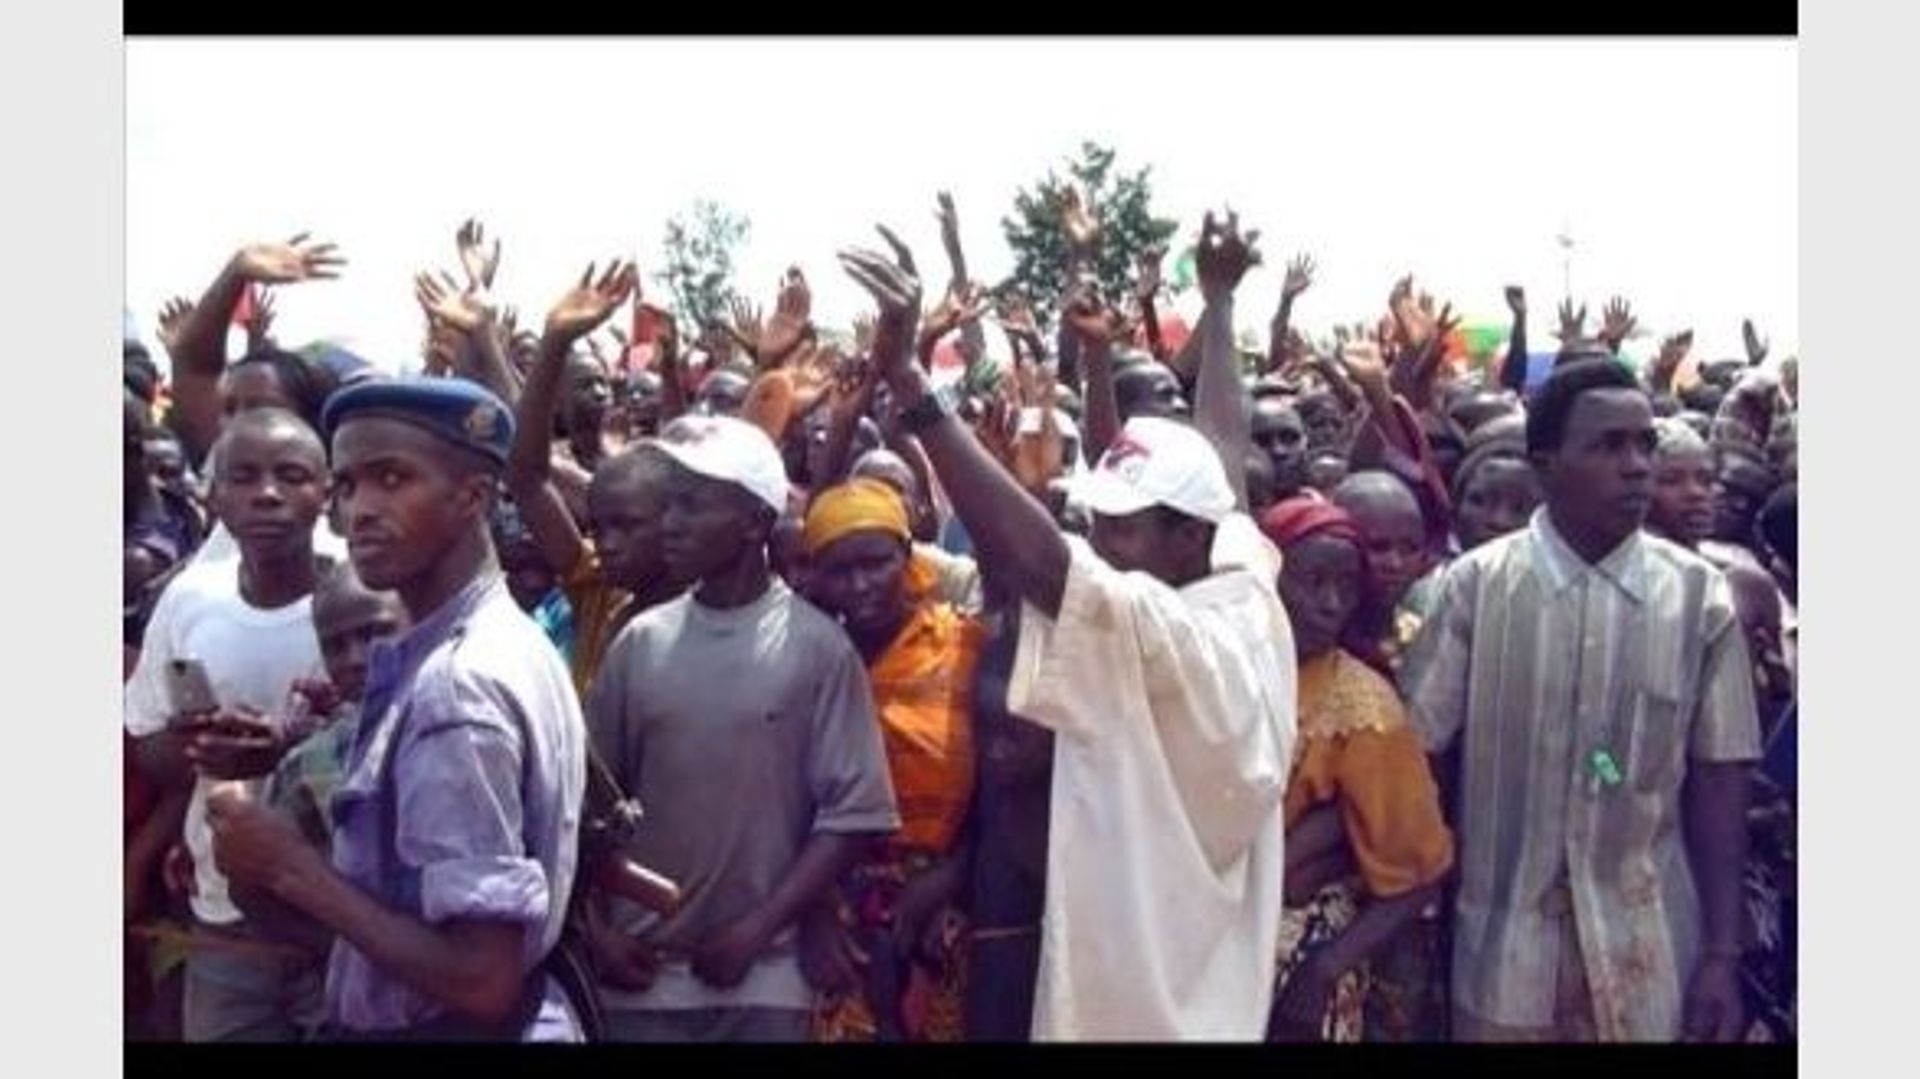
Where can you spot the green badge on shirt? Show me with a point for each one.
(1605, 769)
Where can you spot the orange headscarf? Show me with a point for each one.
(865, 505)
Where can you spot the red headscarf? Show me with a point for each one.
(1294, 519)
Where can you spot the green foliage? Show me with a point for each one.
(1128, 229)
(699, 263)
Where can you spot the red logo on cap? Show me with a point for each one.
(1122, 449)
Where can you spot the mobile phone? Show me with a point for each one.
(190, 688)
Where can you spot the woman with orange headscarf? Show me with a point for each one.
(1355, 752)
(898, 907)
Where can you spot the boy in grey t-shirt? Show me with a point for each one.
(741, 719)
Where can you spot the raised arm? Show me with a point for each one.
(1220, 393)
(475, 317)
(1513, 373)
(199, 346)
(1010, 529)
(1299, 278)
(529, 463)
(1616, 324)
(849, 398)
(973, 339)
(1146, 290)
(1673, 352)
(673, 379)
(1095, 327)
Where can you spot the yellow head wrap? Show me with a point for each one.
(859, 505)
(864, 505)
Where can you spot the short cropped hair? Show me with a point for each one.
(1547, 412)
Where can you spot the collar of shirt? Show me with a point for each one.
(1563, 567)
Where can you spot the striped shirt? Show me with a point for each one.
(1545, 660)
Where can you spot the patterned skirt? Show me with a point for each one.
(1305, 929)
(931, 989)
(1407, 1000)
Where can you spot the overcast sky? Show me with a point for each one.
(1674, 163)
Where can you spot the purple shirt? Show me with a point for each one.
(462, 797)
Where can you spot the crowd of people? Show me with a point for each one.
(774, 682)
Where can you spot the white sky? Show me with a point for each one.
(1675, 163)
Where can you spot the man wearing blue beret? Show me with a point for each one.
(454, 833)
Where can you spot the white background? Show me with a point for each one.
(1674, 162)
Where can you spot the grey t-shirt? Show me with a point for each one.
(741, 732)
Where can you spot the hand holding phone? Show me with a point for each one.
(236, 744)
(190, 692)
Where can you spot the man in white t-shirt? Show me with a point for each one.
(249, 622)
(1163, 660)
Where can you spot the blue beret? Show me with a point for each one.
(461, 412)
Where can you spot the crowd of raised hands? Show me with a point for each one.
(818, 391)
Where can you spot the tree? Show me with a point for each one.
(1128, 230)
(699, 264)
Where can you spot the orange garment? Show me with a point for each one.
(1356, 746)
(923, 691)
(599, 610)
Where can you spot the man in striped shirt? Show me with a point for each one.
(1594, 685)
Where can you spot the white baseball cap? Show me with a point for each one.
(1158, 462)
(729, 449)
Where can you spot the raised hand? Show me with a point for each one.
(583, 308)
(896, 288)
(467, 312)
(959, 306)
(949, 220)
(995, 425)
(1756, 345)
(1077, 220)
(792, 318)
(1616, 322)
(1517, 300)
(1296, 351)
(1098, 324)
(901, 252)
(284, 264)
(748, 326)
(1039, 453)
(1224, 256)
(1401, 294)
(1674, 350)
(479, 263)
(260, 321)
(1416, 321)
(1361, 358)
(1016, 320)
(851, 381)
(1299, 277)
(1573, 324)
(173, 319)
(1403, 312)
(1147, 281)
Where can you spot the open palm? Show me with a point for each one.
(283, 264)
(592, 302)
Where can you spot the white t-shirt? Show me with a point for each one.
(219, 545)
(252, 657)
(1174, 712)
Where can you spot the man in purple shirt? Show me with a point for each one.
(455, 830)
